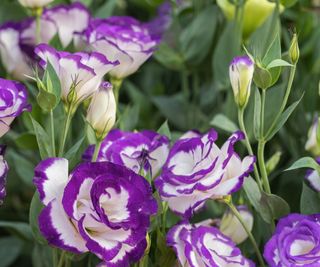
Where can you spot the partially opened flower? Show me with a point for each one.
(143, 152)
(204, 246)
(14, 59)
(197, 169)
(124, 39)
(313, 178)
(231, 226)
(80, 73)
(35, 3)
(13, 101)
(3, 173)
(70, 20)
(101, 113)
(313, 142)
(101, 207)
(295, 242)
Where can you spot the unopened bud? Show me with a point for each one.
(241, 72)
(294, 51)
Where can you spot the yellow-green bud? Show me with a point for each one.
(294, 51)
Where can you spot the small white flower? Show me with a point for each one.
(35, 3)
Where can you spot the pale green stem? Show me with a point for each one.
(65, 131)
(251, 238)
(164, 217)
(116, 83)
(96, 150)
(54, 257)
(248, 145)
(285, 99)
(262, 166)
(38, 12)
(61, 260)
(53, 143)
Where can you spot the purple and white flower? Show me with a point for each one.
(295, 242)
(100, 207)
(80, 73)
(13, 101)
(241, 74)
(70, 20)
(204, 246)
(14, 59)
(3, 173)
(124, 39)
(231, 226)
(313, 178)
(143, 152)
(197, 169)
(313, 142)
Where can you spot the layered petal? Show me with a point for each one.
(4, 168)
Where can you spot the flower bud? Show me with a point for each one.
(241, 72)
(35, 3)
(313, 142)
(294, 51)
(102, 110)
(231, 226)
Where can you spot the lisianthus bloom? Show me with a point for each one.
(197, 169)
(143, 152)
(80, 73)
(69, 20)
(231, 226)
(102, 110)
(313, 178)
(124, 39)
(295, 242)
(3, 173)
(35, 3)
(13, 101)
(313, 142)
(204, 246)
(255, 14)
(100, 207)
(241, 73)
(14, 59)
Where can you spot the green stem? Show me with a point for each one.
(263, 102)
(263, 170)
(116, 83)
(38, 13)
(54, 257)
(65, 130)
(248, 145)
(285, 99)
(53, 143)
(253, 241)
(61, 260)
(164, 217)
(96, 150)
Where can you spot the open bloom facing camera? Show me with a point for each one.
(101, 207)
(197, 169)
(295, 242)
(204, 246)
(35, 3)
(241, 73)
(80, 73)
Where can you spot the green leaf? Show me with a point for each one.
(35, 208)
(25, 169)
(74, 149)
(272, 163)
(288, 3)
(129, 118)
(262, 77)
(253, 193)
(26, 141)
(196, 38)
(106, 10)
(19, 229)
(165, 130)
(168, 57)
(51, 79)
(305, 162)
(278, 63)
(42, 256)
(42, 138)
(224, 123)
(47, 101)
(10, 249)
(310, 201)
(283, 118)
(256, 114)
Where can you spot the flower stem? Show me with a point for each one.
(61, 260)
(248, 145)
(285, 99)
(96, 150)
(253, 241)
(65, 131)
(38, 13)
(164, 217)
(53, 143)
(116, 83)
(54, 257)
(262, 166)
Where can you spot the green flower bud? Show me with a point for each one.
(294, 51)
